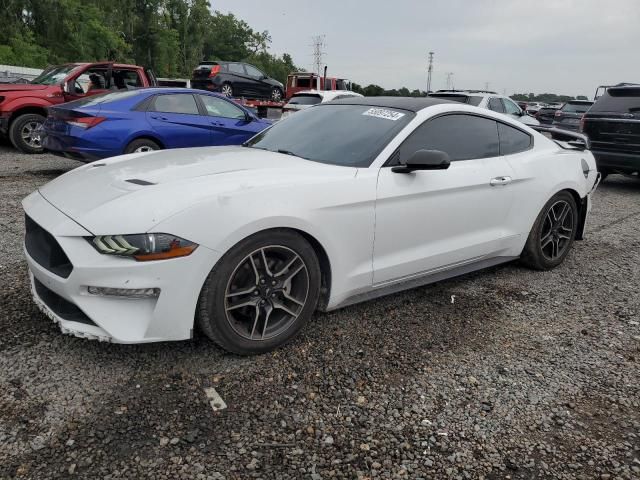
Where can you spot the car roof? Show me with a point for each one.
(326, 93)
(118, 65)
(412, 104)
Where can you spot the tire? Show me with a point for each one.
(604, 174)
(227, 90)
(142, 145)
(239, 274)
(22, 133)
(552, 234)
(276, 94)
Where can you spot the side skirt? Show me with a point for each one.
(421, 281)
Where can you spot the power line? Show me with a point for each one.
(429, 70)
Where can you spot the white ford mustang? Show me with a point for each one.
(340, 203)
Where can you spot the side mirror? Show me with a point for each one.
(66, 87)
(424, 160)
(248, 117)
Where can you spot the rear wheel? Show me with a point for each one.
(25, 133)
(261, 293)
(552, 234)
(227, 90)
(142, 145)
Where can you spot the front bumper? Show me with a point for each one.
(117, 319)
(4, 123)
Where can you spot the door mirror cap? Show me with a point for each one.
(66, 87)
(424, 160)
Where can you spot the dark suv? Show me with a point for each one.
(236, 79)
(613, 126)
(569, 116)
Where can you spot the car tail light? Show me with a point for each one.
(558, 114)
(214, 71)
(85, 122)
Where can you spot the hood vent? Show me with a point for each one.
(137, 181)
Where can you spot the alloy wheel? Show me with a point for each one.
(266, 292)
(557, 229)
(31, 134)
(226, 90)
(276, 95)
(144, 148)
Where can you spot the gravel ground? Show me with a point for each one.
(525, 375)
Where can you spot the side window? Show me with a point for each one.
(178, 103)
(512, 140)
(253, 71)
(216, 107)
(462, 137)
(510, 107)
(125, 79)
(236, 68)
(495, 104)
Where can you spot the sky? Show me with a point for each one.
(516, 46)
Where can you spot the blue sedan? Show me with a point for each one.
(146, 119)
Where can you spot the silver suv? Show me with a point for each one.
(488, 100)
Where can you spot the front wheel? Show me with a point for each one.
(25, 133)
(261, 293)
(552, 234)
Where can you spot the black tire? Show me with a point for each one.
(25, 125)
(213, 314)
(538, 253)
(276, 94)
(142, 145)
(227, 90)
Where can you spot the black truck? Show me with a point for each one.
(613, 126)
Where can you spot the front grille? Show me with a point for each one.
(45, 250)
(61, 307)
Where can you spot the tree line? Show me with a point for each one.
(169, 36)
(545, 97)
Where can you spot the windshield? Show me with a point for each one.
(347, 135)
(471, 100)
(577, 107)
(54, 75)
(305, 99)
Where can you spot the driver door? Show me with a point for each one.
(433, 220)
(78, 86)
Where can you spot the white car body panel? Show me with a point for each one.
(378, 228)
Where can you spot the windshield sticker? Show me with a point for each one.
(384, 113)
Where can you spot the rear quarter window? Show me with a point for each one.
(513, 140)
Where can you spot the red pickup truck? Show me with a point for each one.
(23, 107)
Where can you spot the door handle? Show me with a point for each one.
(217, 124)
(155, 117)
(500, 181)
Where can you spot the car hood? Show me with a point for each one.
(22, 87)
(132, 193)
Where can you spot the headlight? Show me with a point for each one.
(143, 247)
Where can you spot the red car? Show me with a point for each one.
(302, 81)
(23, 107)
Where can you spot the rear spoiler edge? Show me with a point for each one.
(578, 141)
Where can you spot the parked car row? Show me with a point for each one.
(489, 100)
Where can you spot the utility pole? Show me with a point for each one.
(318, 52)
(450, 81)
(429, 70)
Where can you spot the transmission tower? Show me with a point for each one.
(318, 52)
(429, 70)
(450, 81)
